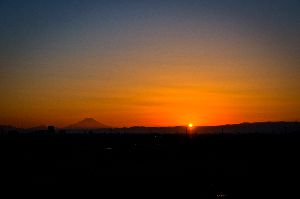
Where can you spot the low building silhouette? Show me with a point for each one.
(51, 129)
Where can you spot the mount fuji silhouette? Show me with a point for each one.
(87, 123)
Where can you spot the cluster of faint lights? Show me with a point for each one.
(221, 195)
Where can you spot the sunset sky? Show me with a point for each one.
(152, 63)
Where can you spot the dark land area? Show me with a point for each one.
(220, 165)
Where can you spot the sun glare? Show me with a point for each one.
(190, 125)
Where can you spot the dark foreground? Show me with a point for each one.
(215, 166)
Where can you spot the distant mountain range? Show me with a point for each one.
(87, 123)
(243, 128)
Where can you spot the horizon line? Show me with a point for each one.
(149, 126)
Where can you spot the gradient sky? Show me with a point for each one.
(150, 62)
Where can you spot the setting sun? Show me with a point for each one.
(190, 125)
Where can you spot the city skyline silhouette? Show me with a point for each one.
(139, 97)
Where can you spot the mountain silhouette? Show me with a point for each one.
(87, 123)
(38, 128)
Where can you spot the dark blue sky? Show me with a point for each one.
(28, 17)
(21, 22)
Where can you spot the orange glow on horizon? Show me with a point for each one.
(210, 72)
